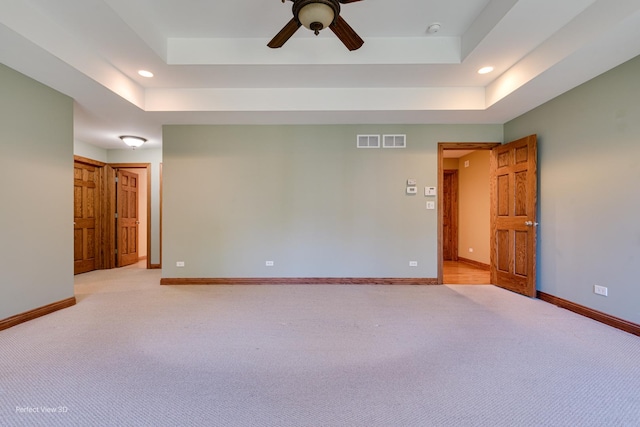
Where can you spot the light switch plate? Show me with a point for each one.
(412, 190)
(411, 181)
(429, 191)
(431, 205)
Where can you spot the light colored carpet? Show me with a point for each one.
(133, 353)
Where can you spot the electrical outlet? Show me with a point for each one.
(180, 264)
(600, 290)
(413, 263)
(268, 263)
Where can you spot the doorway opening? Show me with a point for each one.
(463, 213)
(108, 225)
(513, 195)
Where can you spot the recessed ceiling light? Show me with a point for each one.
(485, 70)
(145, 73)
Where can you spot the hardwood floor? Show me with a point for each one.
(460, 273)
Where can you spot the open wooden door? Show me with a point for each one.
(127, 218)
(85, 208)
(513, 215)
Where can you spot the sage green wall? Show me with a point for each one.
(82, 149)
(589, 191)
(153, 156)
(36, 217)
(302, 196)
(474, 220)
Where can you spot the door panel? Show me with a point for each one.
(84, 218)
(127, 219)
(513, 215)
(521, 244)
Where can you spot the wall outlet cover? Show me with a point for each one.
(601, 290)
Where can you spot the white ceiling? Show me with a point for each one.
(212, 65)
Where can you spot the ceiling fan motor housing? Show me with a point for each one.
(316, 14)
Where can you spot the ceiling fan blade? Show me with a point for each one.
(285, 34)
(346, 34)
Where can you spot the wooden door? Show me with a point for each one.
(85, 209)
(126, 218)
(513, 215)
(450, 215)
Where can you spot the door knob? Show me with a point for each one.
(530, 223)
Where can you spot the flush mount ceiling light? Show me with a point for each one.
(133, 141)
(145, 73)
(485, 70)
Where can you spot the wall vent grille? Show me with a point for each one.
(394, 141)
(368, 141)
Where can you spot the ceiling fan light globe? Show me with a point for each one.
(313, 15)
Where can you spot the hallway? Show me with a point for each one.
(460, 273)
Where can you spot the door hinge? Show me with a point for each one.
(116, 179)
(116, 251)
(116, 215)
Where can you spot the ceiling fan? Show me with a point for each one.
(317, 15)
